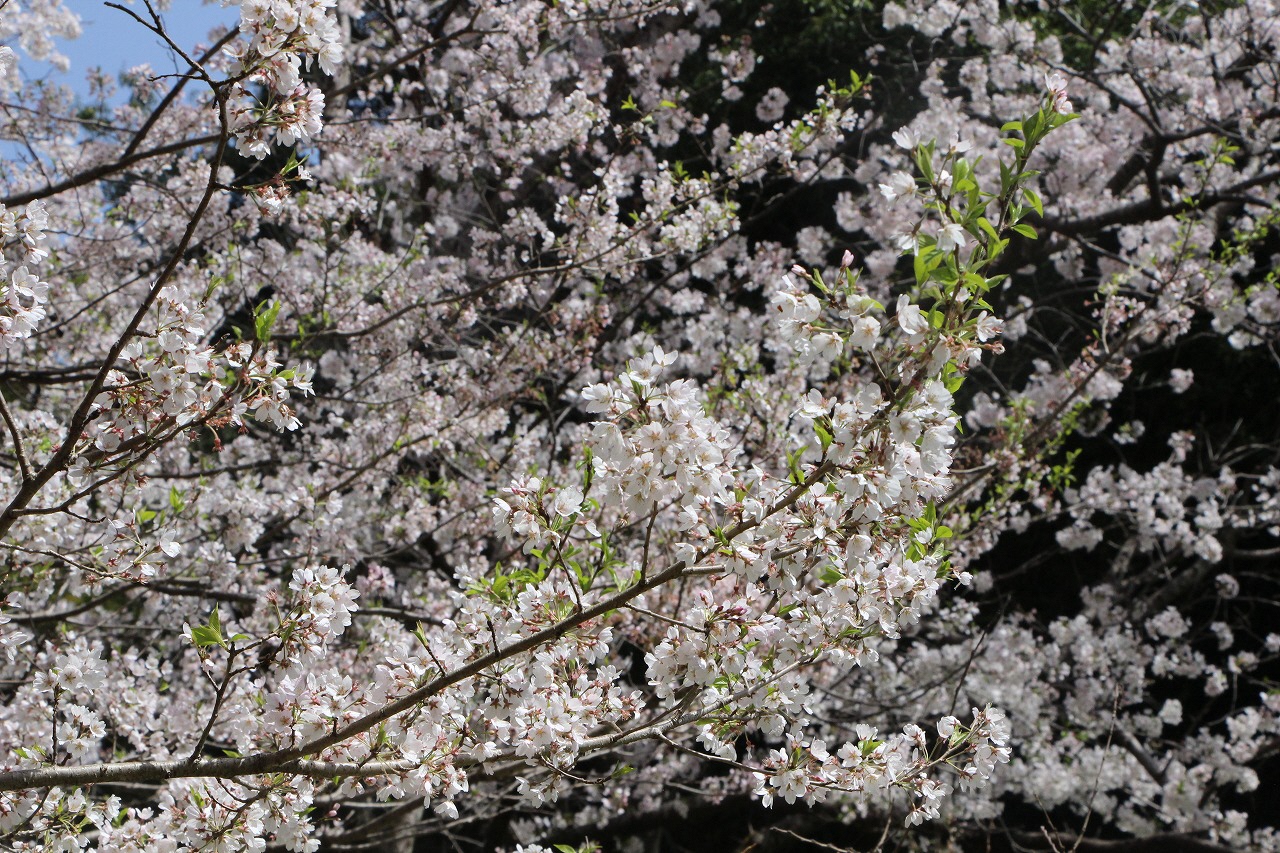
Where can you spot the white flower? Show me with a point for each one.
(330, 55)
(866, 331)
(79, 670)
(567, 502)
(8, 61)
(958, 145)
(906, 138)
(1167, 623)
(988, 327)
(796, 306)
(951, 237)
(79, 472)
(826, 346)
(910, 318)
(598, 398)
(900, 184)
(169, 545)
(1057, 86)
(772, 105)
(1171, 712)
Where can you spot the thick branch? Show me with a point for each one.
(1153, 208)
(97, 173)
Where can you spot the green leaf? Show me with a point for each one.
(794, 470)
(1033, 128)
(1025, 230)
(924, 162)
(1035, 201)
(209, 634)
(264, 318)
(1006, 177)
(823, 436)
(975, 282)
(819, 283)
(918, 264)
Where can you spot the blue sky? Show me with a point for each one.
(113, 41)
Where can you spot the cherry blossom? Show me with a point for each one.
(574, 420)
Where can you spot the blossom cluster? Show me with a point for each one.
(809, 771)
(22, 294)
(642, 354)
(185, 383)
(279, 39)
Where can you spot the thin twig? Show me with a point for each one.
(18, 450)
